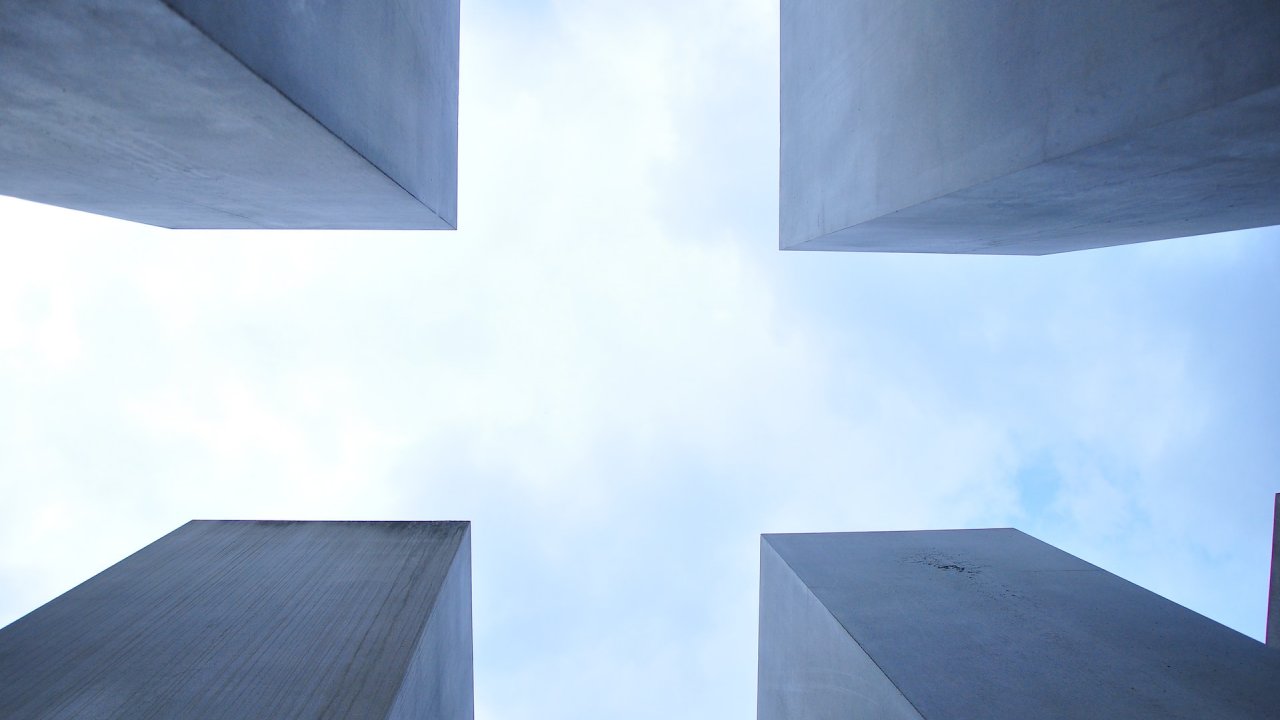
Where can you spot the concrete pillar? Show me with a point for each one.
(989, 624)
(233, 113)
(257, 620)
(1026, 126)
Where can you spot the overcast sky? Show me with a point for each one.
(615, 375)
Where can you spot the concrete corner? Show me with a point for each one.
(233, 114)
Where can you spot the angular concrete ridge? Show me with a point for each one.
(233, 113)
(257, 620)
(989, 624)
(1026, 127)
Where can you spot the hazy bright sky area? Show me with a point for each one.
(613, 372)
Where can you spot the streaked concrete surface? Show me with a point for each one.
(224, 619)
(988, 624)
(1014, 127)
(124, 108)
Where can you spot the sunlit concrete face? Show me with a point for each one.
(986, 624)
(1015, 127)
(233, 114)
(248, 620)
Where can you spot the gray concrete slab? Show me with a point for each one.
(1273, 598)
(1016, 127)
(251, 620)
(124, 108)
(996, 624)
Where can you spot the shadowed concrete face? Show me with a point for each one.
(380, 74)
(257, 620)
(986, 624)
(1273, 601)
(345, 116)
(1016, 127)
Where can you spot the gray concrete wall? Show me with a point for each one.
(254, 620)
(123, 108)
(380, 74)
(1026, 127)
(996, 624)
(439, 680)
(810, 668)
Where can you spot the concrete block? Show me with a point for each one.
(329, 114)
(1016, 127)
(986, 624)
(257, 620)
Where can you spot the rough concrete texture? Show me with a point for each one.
(987, 624)
(1273, 599)
(250, 620)
(1016, 127)
(124, 108)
